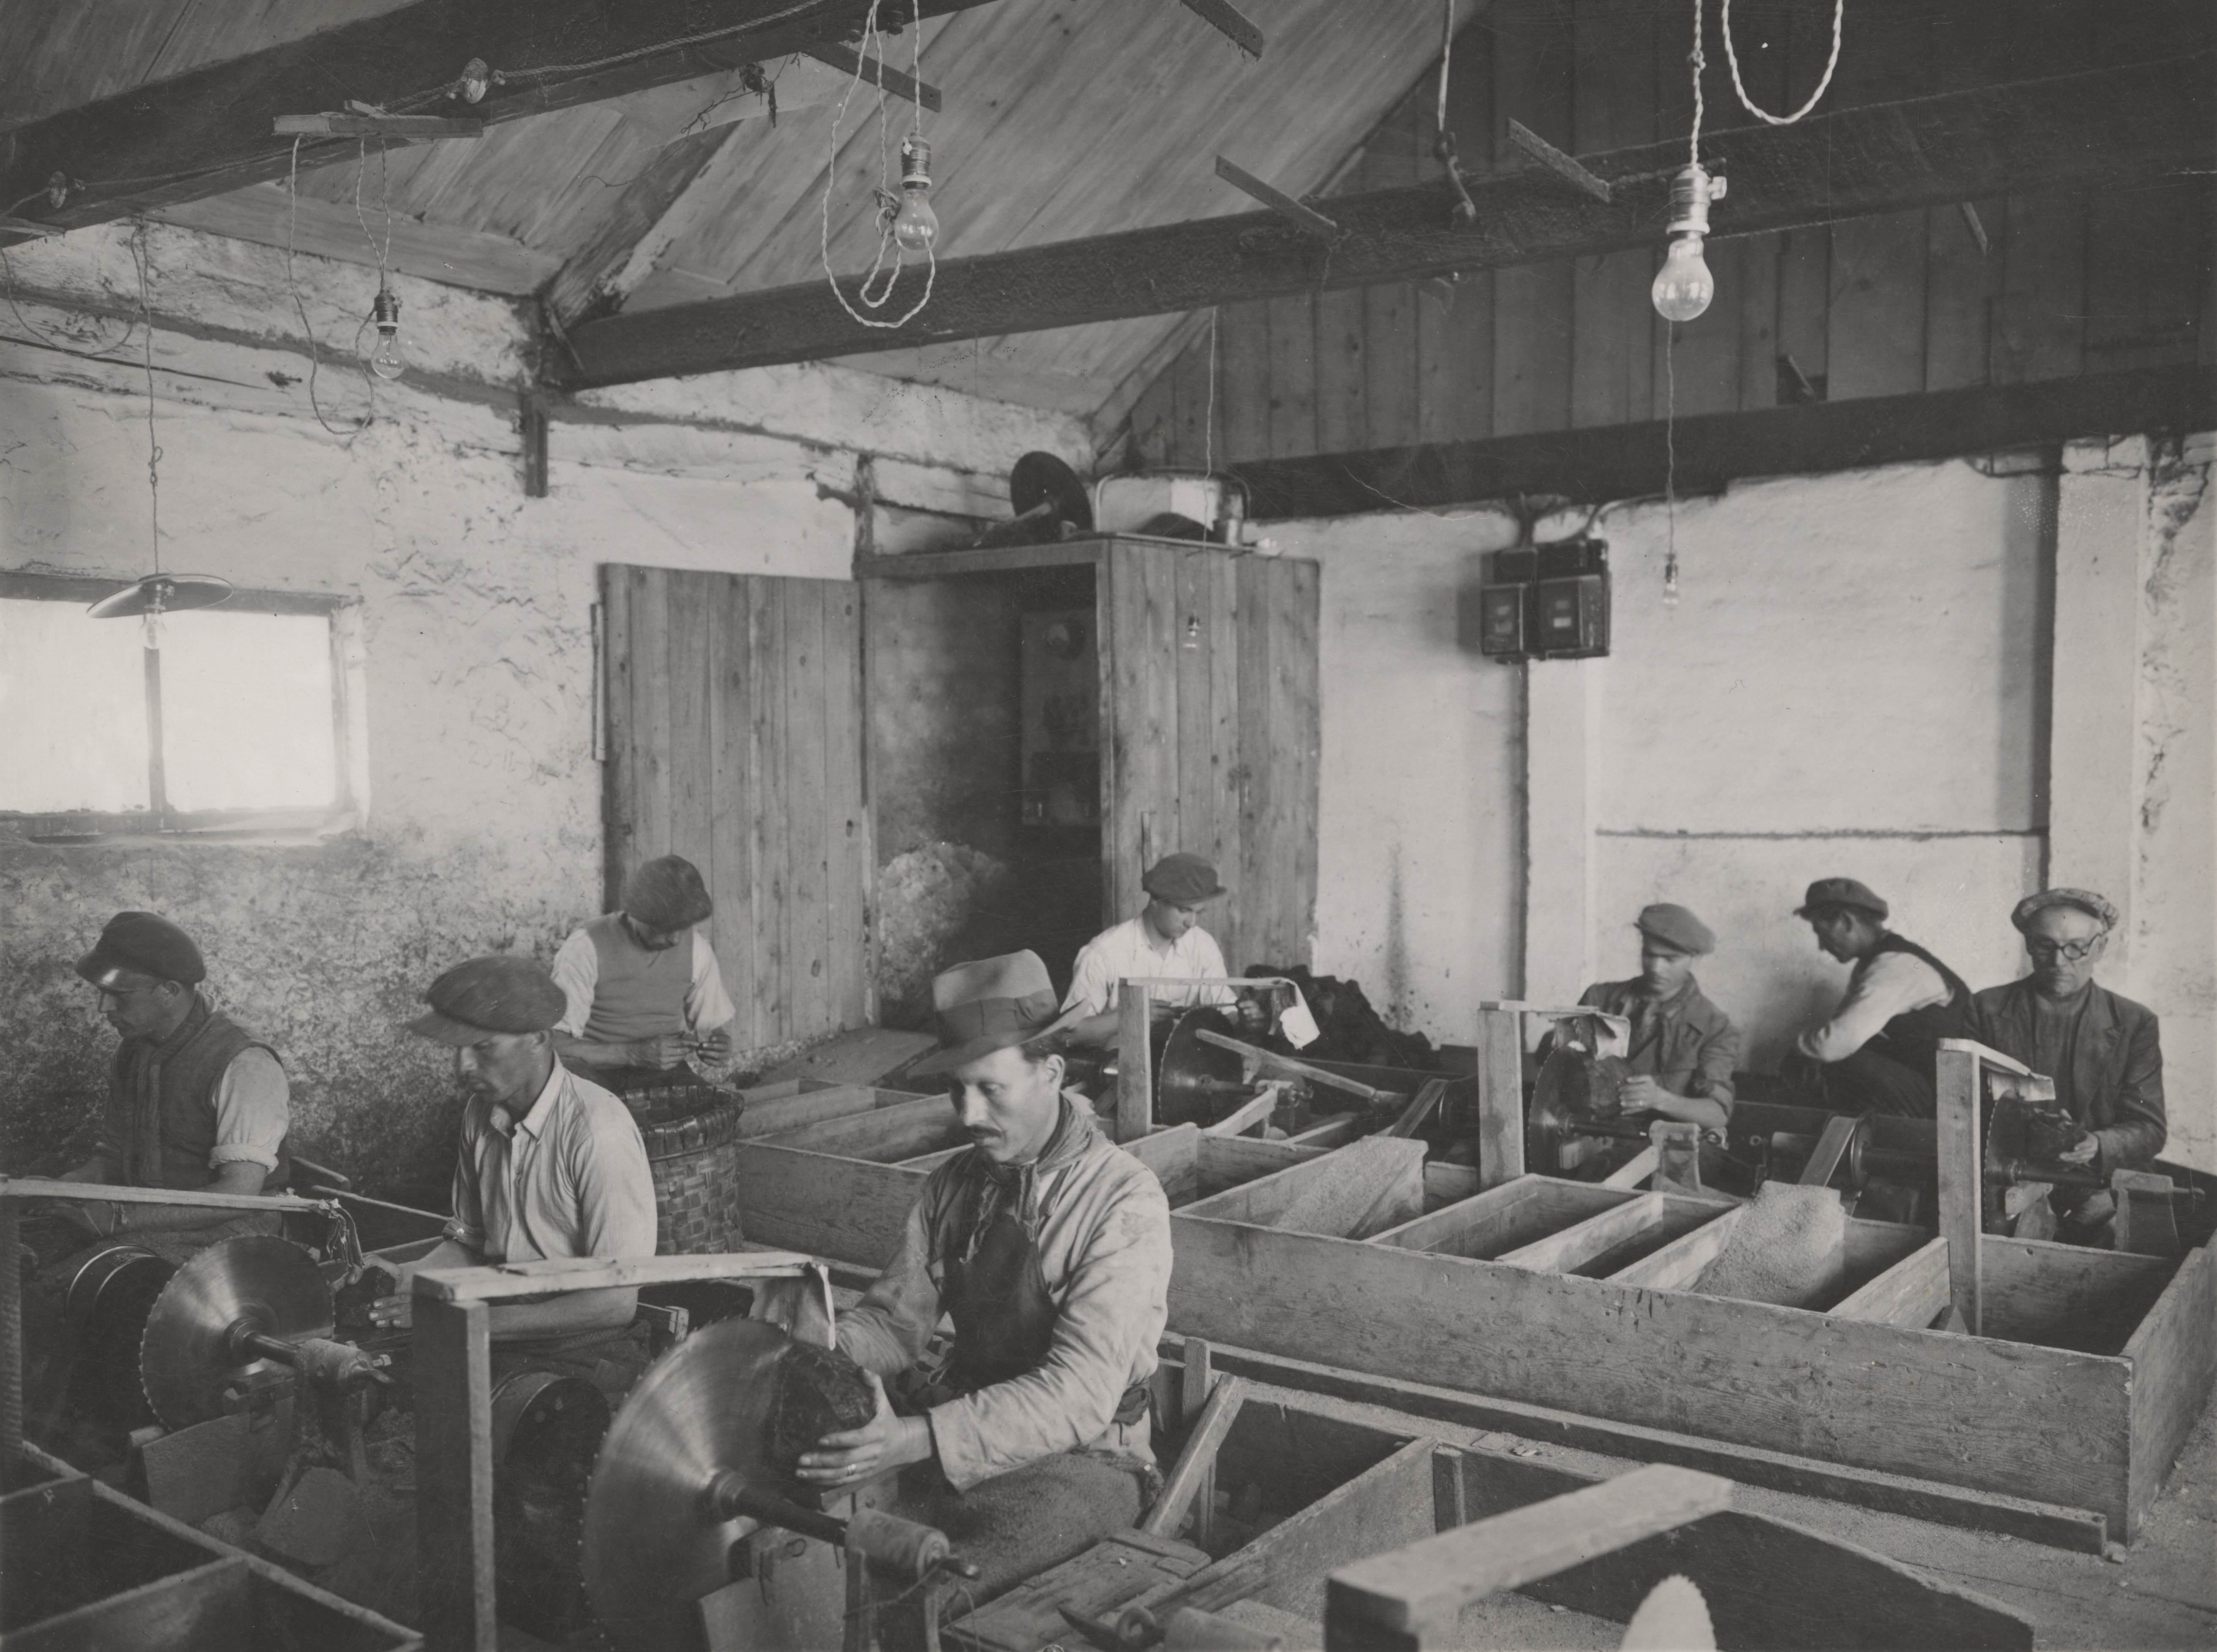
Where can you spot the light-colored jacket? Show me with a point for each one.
(1104, 1254)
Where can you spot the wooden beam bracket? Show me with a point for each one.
(1301, 216)
(874, 71)
(1562, 165)
(1230, 21)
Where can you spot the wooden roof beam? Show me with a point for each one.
(208, 132)
(2072, 132)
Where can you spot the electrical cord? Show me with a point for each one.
(1840, 14)
(315, 356)
(153, 448)
(870, 49)
(8, 285)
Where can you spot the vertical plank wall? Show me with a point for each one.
(2067, 283)
(1213, 747)
(735, 739)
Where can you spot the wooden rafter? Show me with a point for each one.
(208, 132)
(2082, 130)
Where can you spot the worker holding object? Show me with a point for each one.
(1166, 941)
(644, 998)
(1050, 1249)
(1875, 1054)
(1681, 1050)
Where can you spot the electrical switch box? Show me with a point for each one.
(1546, 602)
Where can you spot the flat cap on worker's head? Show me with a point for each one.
(2085, 900)
(995, 1004)
(666, 893)
(498, 993)
(138, 949)
(1674, 926)
(1183, 880)
(1840, 891)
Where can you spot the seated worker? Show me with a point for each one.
(641, 988)
(1876, 1050)
(1683, 1048)
(551, 1164)
(194, 1100)
(1166, 940)
(2102, 1051)
(1050, 1247)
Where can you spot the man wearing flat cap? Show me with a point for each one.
(1164, 941)
(642, 990)
(1050, 1249)
(194, 1100)
(2103, 1050)
(550, 1164)
(1876, 1053)
(1684, 1049)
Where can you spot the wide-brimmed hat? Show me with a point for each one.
(142, 944)
(993, 1004)
(1183, 880)
(667, 893)
(497, 993)
(1841, 891)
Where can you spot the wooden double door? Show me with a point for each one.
(738, 736)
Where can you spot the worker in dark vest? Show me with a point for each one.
(644, 995)
(2103, 1050)
(1875, 1054)
(194, 1100)
(551, 1165)
(1050, 1249)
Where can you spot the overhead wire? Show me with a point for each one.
(871, 49)
(292, 282)
(139, 257)
(1839, 16)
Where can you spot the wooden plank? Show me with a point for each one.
(849, 868)
(1678, 1264)
(618, 830)
(2174, 1359)
(1503, 1219)
(482, 260)
(2040, 1423)
(732, 799)
(452, 1351)
(1367, 1187)
(103, 1193)
(1197, 1459)
(770, 855)
(1636, 1170)
(2040, 316)
(1500, 1095)
(1152, 419)
(1766, 1583)
(1196, 1381)
(1628, 461)
(1193, 826)
(1563, 1251)
(1299, 214)
(1758, 321)
(1258, 771)
(882, 1135)
(206, 1609)
(1832, 1144)
(1292, 427)
(652, 754)
(1962, 280)
(1421, 1591)
(1342, 415)
(1389, 308)
(690, 597)
(1429, 1095)
(1532, 302)
(807, 849)
(1139, 722)
(1243, 346)
(2145, 251)
(1193, 397)
(1248, 1114)
(1388, 1502)
(1914, 1291)
(1220, 799)
(2080, 1530)
(938, 564)
(1804, 293)
(1226, 1161)
(1877, 319)
(846, 1210)
(1297, 720)
(2067, 1296)
(1962, 1182)
(1174, 1155)
(508, 1281)
(1135, 1078)
(1454, 329)
(768, 1115)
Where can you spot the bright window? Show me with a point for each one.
(248, 698)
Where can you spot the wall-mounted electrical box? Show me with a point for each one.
(1546, 602)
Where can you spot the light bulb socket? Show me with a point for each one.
(915, 163)
(385, 311)
(1691, 192)
(476, 80)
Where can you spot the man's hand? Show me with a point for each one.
(886, 1442)
(667, 1049)
(393, 1313)
(1640, 1092)
(2083, 1151)
(715, 1048)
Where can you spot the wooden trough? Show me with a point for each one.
(2064, 1417)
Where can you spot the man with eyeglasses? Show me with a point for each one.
(2102, 1051)
(194, 1100)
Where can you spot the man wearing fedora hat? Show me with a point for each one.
(1875, 1053)
(194, 1100)
(1166, 940)
(641, 989)
(2103, 1051)
(550, 1164)
(1684, 1049)
(1050, 1249)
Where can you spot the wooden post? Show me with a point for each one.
(2146, 1223)
(1962, 1177)
(1196, 1380)
(454, 1476)
(1135, 1078)
(11, 1340)
(1500, 1095)
(1450, 1502)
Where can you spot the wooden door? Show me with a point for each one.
(1208, 708)
(735, 739)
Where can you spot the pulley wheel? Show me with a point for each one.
(1042, 478)
(1196, 1081)
(546, 1429)
(650, 1547)
(186, 1359)
(108, 1298)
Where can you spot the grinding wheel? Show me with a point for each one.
(186, 1358)
(651, 1546)
(1196, 1081)
(1041, 479)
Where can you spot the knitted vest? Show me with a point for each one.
(638, 994)
(161, 1101)
(1912, 1037)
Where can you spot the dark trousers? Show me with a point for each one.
(1869, 1083)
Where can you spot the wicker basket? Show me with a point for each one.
(692, 1134)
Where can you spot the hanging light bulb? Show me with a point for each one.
(915, 226)
(385, 315)
(474, 82)
(1683, 287)
(1193, 630)
(1671, 581)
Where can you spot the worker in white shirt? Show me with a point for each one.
(1875, 1054)
(643, 997)
(1164, 941)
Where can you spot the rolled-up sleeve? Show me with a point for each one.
(1893, 983)
(2138, 1125)
(1107, 1329)
(577, 970)
(707, 1005)
(887, 1330)
(253, 1111)
(466, 1226)
(1092, 985)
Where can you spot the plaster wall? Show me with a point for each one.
(473, 611)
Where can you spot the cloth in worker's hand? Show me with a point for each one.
(819, 1391)
(1784, 1249)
